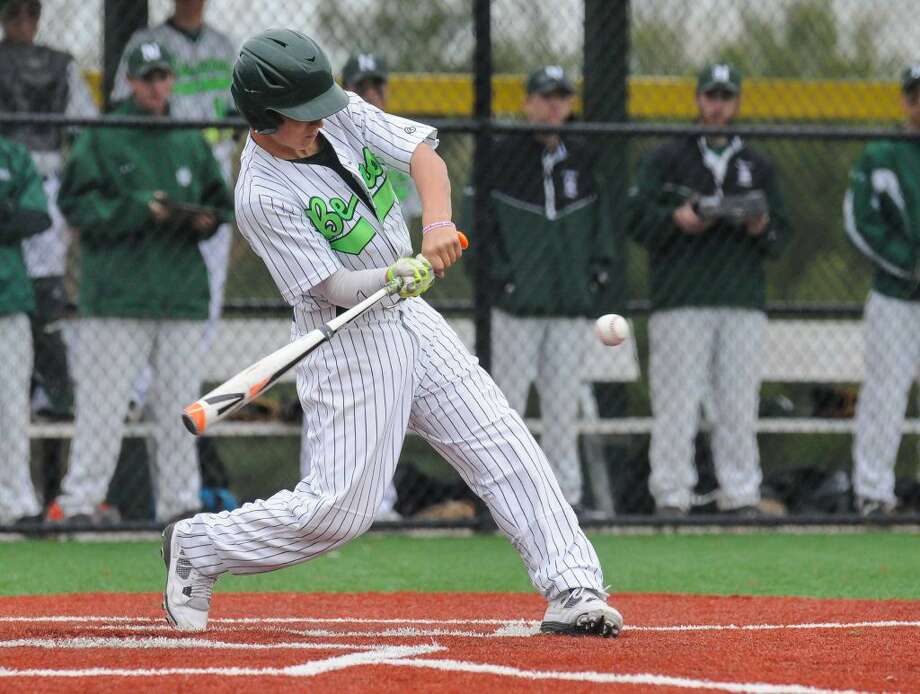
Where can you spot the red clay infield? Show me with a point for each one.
(456, 643)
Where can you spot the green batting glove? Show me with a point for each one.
(414, 274)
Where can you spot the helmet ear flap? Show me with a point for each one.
(270, 121)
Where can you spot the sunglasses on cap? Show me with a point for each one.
(720, 94)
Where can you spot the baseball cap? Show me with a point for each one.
(362, 66)
(719, 76)
(148, 56)
(549, 79)
(910, 78)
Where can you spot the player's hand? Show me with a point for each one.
(414, 274)
(689, 221)
(756, 226)
(204, 223)
(158, 209)
(442, 248)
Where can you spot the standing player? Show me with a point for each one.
(545, 209)
(708, 287)
(39, 79)
(23, 212)
(203, 57)
(882, 216)
(314, 201)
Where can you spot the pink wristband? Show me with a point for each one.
(435, 225)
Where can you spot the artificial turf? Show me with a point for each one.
(864, 565)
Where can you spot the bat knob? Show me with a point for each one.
(190, 424)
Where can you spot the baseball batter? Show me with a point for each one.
(314, 201)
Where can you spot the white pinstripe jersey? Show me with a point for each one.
(306, 222)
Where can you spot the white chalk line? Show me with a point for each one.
(401, 656)
(165, 642)
(377, 655)
(641, 679)
(508, 627)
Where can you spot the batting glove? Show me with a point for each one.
(414, 274)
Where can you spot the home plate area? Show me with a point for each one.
(456, 642)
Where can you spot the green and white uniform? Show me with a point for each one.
(143, 299)
(881, 213)
(23, 213)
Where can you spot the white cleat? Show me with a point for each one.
(581, 612)
(187, 597)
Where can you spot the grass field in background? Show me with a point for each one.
(865, 565)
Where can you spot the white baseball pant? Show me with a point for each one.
(695, 352)
(892, 363)
(390, 370)
(548, 352)
(109, 353)
(17, 494)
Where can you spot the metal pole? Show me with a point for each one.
(121, 18)
(482, 115)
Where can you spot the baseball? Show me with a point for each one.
(612, 329)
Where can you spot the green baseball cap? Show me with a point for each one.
(910, 78)
(550, 79)
(364, 66)
(148, 56)
(719, 76)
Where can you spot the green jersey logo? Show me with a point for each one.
(335, 218)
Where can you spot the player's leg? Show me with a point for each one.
(107, 356)
(516, 346)
(559, 383)
(736, 397)
(52, 375)
(892, 355)
(462, 413)
(680, 344)
(17, 494)
(176, 361)
(356, 393)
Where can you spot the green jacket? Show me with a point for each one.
(133, 267)
(881, 214)
(551, 250)
(23, 212)
(723, 266)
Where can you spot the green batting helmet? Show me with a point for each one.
(282, 72)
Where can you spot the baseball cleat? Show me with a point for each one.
(187, 597)
(581, 612)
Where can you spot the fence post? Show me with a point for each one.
(482, 113)
(121, 18)
(606, 69)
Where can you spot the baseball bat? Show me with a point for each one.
(257, 378)
(254, 380)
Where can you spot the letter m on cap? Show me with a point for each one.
(151, 51)
(721, 73)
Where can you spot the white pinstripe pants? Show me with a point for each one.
(391, 370)
(17, 494)
(892, 364)
(695, 352)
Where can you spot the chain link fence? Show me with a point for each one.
(685, 164)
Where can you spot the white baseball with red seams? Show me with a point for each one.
(612, 329)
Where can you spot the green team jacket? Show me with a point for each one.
(133, 267)
(723, 266)
(23, 212)
(881, 214)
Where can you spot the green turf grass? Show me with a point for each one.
(870, 565)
